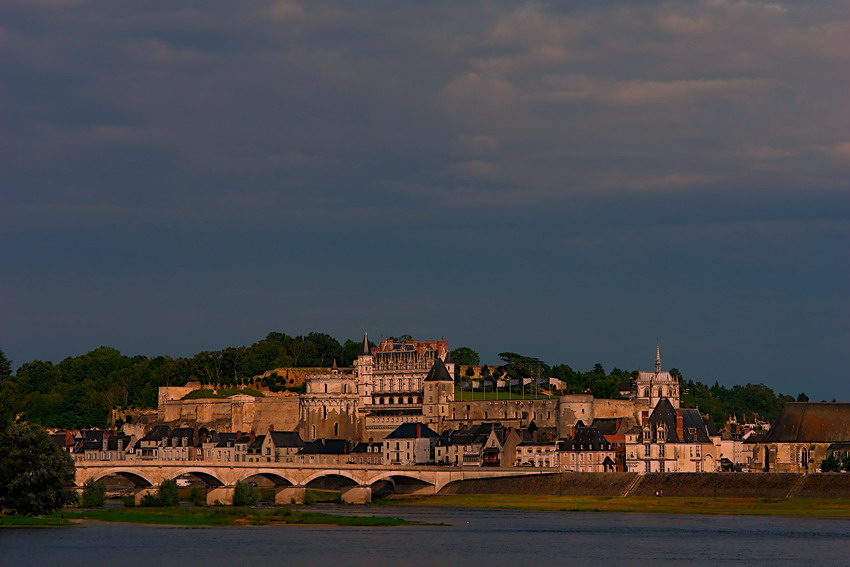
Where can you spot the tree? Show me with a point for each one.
(167, 493)
(465, 356)
(244, 494)
(802, 397)
(845, 464)
(830, 464)
(34, 471)
(5, 364)
(94, 494)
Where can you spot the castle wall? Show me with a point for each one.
(329, 419)
(511, 413)
(239, 413)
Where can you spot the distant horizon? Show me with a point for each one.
(496, 361)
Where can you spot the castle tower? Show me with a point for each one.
(654, 386)
(438, 391)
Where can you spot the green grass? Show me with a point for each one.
(221, 393)
(33, 522)
(221, 516)
(803, 507)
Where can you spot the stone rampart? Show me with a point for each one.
(720, 485)
(511, 413)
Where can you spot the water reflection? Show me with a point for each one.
(473, 538)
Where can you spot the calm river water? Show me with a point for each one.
(474, 538)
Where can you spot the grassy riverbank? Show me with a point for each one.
(802, 507)
(201, 517)
(30, 522)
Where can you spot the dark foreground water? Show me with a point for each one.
(474, 538)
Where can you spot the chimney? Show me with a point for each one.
(271, 428)
(69, 438)
(680, 427)
(418, 430)
(252, 436)
(238, 435)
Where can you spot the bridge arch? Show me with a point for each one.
(138, 480)
(401, 483)
(331, 479)
(209, 478)
(271, 475)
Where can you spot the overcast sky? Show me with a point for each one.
(570, 181)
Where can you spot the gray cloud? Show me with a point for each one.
(571, 180)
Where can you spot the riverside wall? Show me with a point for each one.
(720, 485)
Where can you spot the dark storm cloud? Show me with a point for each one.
(570, 181)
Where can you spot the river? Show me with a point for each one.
(474, 538)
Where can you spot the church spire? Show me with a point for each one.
(365, 350)
(657, 357)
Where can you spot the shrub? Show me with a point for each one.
(129, 501)
(94, 494)
(195, 497)
(150, 500)
(244, 494)
(167, 493)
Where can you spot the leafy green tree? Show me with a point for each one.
(34, 472)
(244, 494)
(845, 463)
(5, 364)
(802, 397)
(167, 494)
(94, 494)
(519, 366)
(470, 372)
(830, 464)
(465, 356)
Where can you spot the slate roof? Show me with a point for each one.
(475, 434)
(112, 442)
(439, 372)
(412, 431)
(157, 433)
(226, 439)
(325, 447)
(363, 447)
(286, 439)
(611, 425)
(585, 439)
(694, 429)
(810, 422)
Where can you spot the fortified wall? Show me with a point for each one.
(236, 413)
(683, 484)
(511, 413)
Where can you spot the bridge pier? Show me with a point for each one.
(142, 492)
(289, 494)
(357, 495)
(220, 494)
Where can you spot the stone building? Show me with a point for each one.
(671, 440)
(587, 450)
(801, 436)
(402, 381)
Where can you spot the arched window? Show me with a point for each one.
(336, 429)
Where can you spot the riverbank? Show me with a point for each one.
(200, 517)
(800, 507)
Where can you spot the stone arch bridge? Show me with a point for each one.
(355, 482)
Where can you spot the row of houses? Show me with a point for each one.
(606, 445)
(670, 439)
